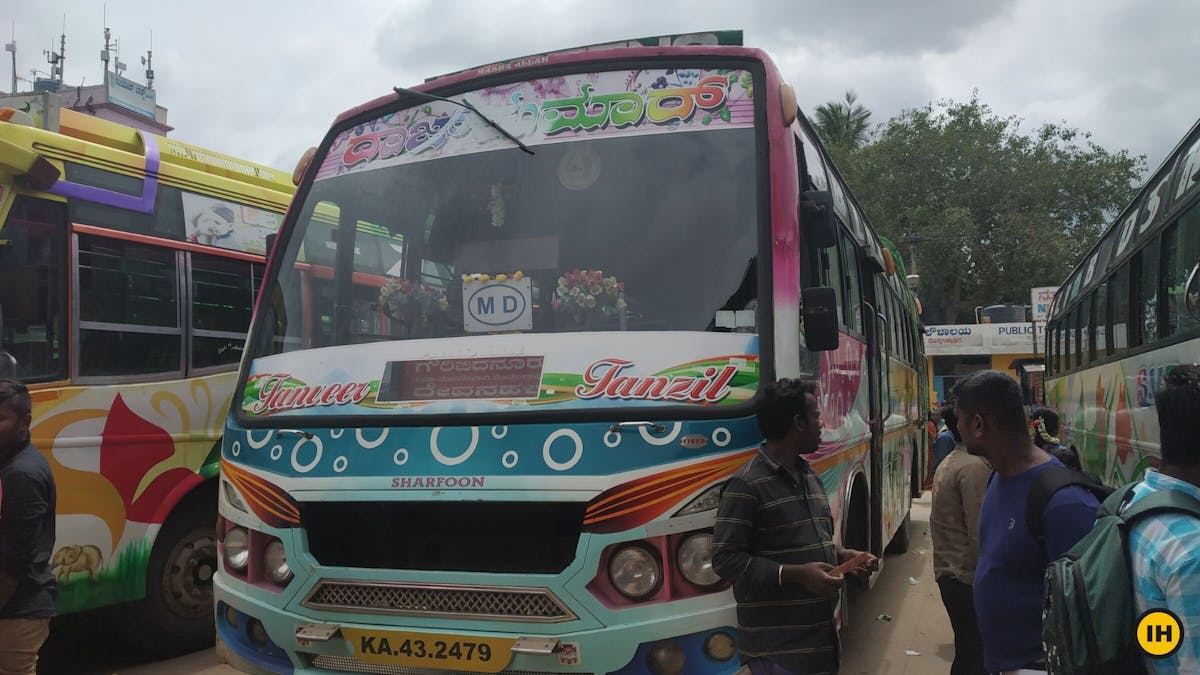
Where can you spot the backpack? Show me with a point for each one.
(1088, 615)
(1051, 480)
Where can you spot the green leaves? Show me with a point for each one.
(844, 126)
(997, 208)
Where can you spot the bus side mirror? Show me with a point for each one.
(820, 318)
(1191, 293)
(816, 217)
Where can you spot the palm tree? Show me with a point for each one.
(843, 125)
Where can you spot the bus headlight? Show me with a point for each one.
(695, 560)
(275, 563)
(635, 572)
(237, 548)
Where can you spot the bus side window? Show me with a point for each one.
(1087, 342)
(1070, 340)
(128, 308)
(1054, 344)
(833, 277)
(813, 165)
(1182, 252)
(1118, 302)
(1147, 295)
(222, 297)
(853, 306)
(33, 290)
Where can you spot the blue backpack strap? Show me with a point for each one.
(1049, 481)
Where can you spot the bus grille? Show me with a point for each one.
(349, 664)
(490, 603)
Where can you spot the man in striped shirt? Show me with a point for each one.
(1165, 549)
(774, 540)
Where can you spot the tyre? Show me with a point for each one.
(900, 540)
(176, 616)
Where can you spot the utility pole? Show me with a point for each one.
(912, 240)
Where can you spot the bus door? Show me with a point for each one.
(877, 390)
(876, 331)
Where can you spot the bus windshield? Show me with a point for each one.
(638, 213)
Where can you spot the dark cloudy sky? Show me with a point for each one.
(263, 80)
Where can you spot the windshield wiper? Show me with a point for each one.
(434, 97)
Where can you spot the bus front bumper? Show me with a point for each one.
(259, 637)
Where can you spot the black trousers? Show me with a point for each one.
(968, 646)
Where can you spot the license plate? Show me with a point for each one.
(431, 650)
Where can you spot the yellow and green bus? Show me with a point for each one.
(129, 265)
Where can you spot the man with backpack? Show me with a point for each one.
(1008, 585)
(1143, 555)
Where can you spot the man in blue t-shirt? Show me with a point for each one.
(1008, 576)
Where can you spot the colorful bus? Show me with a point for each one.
(1125, 316)
(129, 265)
(504, 358)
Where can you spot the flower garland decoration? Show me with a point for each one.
(588, 293)
(515, 276)
(1039, 427)
(400, 297)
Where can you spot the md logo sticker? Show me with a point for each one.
(493, 306)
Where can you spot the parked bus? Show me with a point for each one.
(504, 358)
(128, 268)
(1127, 315)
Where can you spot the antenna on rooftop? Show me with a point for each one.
(104, 53)
(147, 61)
(57, 59)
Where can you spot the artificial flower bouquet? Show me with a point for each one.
(406, 297)
(588, 294)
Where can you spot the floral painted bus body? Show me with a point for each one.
(490, 396)
(128, 267)
(1125, 316)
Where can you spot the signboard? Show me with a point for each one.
(130, 95)
(1040, 299)
(509, 377)
(981, 338)
(497, 306)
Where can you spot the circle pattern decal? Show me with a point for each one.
(575, 457)
(370, 445)
(305, 468)
(451, 461)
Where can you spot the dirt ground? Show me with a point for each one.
(918, 639)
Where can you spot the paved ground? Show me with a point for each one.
(870, 645)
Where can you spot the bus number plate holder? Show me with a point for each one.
(536, 645)
(317, 632)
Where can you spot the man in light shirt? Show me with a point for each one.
(1165, 549)
(958, 487)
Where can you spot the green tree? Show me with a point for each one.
(844, 127)
(988, 209)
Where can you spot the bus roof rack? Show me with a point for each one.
(708, 38)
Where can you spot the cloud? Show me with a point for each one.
(264, 81)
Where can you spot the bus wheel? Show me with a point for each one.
(176, 615)
(900, 540)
